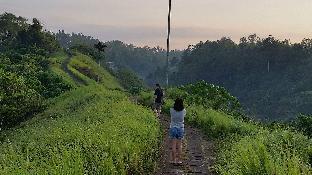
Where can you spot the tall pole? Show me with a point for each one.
(168, 43)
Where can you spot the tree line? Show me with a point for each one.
(272, 78)
(25, 79)
(144, 61)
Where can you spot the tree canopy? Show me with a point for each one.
(271, 77)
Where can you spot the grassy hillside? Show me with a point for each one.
(88, 70)
(56, 60)
(92, 129)
(245, 146)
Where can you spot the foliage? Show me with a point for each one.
(207, 95)
(304, 123)
(271, 78)
(17, 99)
(71, 40)
(89, 71)
(218, 124)
(90, 130)
(278, 152)
(17, 34)
(57, 67)
(245, 146)
(146, 98)
(90, 51)
(53, 85)
(130, 81)
(144, 61)
(24, 63)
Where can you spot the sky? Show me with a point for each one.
(144, 22)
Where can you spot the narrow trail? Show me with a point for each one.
(198, 153)
(73, 76)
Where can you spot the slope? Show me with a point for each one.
(92, 129)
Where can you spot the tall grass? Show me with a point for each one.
(244, 146)
(278, 152)
(56, 61)
(90, 130)
(89, 68)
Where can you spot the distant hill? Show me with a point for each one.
(271, 78)
(144, 61)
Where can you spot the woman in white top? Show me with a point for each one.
(176, 132)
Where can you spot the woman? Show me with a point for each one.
(176, 132)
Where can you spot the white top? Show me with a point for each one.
(177, 118)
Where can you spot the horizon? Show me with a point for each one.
(125, 21)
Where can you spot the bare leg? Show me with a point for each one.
(179, 150)
(173, 150)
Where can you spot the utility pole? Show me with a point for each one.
(168, 43)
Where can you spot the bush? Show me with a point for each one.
(304, 123)
(130, 81)
(16, 99)
(209, 96)
(53, 85)
(146, 98)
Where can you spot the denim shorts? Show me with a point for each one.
(176, 133)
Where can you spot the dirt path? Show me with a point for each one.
(198, 153)
(73, 76)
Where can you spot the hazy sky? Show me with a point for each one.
(143, 22)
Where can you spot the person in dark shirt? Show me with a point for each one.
(159, 94)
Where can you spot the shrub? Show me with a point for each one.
(53, 85)
(16, 99)
(130, 81)
(209, 96)
(304, 123)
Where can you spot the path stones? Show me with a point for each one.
(198, 153)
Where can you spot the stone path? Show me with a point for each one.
(198, 153)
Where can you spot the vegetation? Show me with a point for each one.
(81, 121)
(57, 61)
(90, 72)
(303, 123)
(271, 78)
(130, 81)
(90, 130)
(245, 146)
(207, 95)
(144, 61)
(24, 69)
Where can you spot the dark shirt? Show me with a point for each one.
(159, 95)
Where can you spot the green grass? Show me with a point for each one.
(90, 130)
(217, 124)
(56, 61)
(276, 153)
(249, 147)
(88, 67)
(84, 78)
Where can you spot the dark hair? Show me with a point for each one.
(157, 85)
(178, 105)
